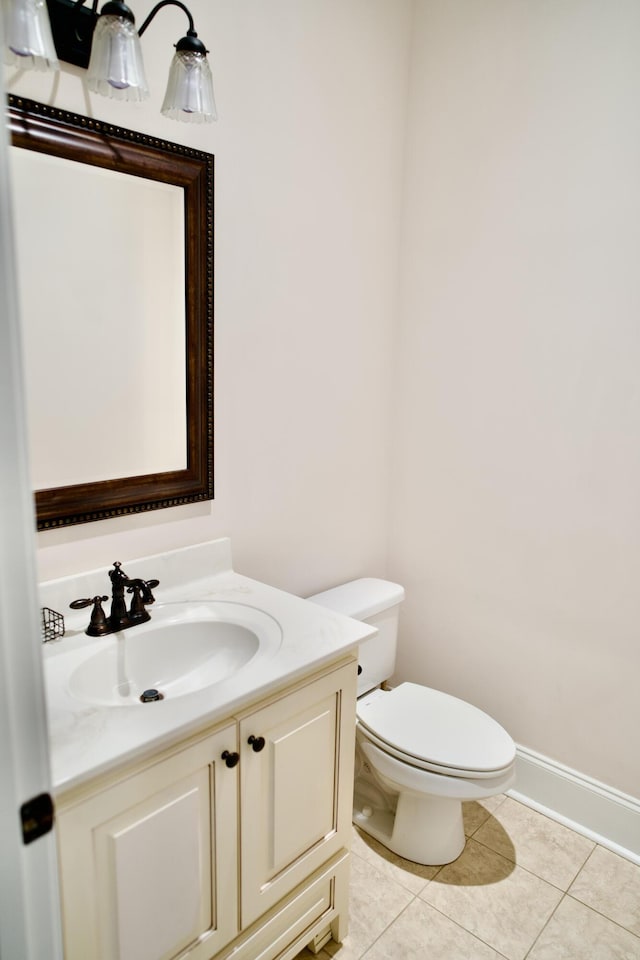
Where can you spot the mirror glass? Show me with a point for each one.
(105, 370)
(114, 236)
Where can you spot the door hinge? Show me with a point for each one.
(37, 817)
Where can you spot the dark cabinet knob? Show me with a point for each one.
(230, 758)
(359, 669)
(257, 743)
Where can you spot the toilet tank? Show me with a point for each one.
(376, 602)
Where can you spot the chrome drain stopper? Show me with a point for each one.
(148, 696)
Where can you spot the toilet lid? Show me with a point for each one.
(437, 730)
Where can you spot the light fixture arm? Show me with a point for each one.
(165, 3)
(190, 41)
(94, 5)
(81, 3)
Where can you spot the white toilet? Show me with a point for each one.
(419, 752)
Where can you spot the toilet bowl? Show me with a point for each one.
(428, 752)
(419, 752)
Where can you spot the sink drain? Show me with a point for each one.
(148, 696)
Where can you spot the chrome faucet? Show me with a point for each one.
(120, 618)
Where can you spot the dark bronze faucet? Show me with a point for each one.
(120, 618)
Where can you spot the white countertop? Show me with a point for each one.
(88, 739)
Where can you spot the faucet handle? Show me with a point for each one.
(86, 602)
(152, 584)
(98, 624)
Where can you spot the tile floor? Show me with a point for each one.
(524, 887)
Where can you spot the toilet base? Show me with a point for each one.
(421, 817)
(424, 829)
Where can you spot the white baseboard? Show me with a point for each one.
(593, 809)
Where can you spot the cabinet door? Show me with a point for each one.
(149, 865)
(296, 790)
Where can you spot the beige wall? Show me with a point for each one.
(516, 486)
(309, 146)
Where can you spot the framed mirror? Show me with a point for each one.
(114, 236)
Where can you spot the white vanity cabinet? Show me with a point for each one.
(184, 856)
(148, 863)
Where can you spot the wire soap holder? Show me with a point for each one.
(52, 624)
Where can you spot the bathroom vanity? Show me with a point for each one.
(213, 823)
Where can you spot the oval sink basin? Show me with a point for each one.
(185, 647)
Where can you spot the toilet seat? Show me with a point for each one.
(434, 731)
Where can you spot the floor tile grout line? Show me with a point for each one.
(520, 866)
(383, 876)
(528, 869)
(568, 896)
(591, 854)
(443, 866)
(488, 845)
(490, 814)
(515, 864)
(605, 916)
(581, 868)
(399, 883)
(466, 930)
(545, 925)
(385, 879)
(363, 956)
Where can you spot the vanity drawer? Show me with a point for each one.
(283, 932)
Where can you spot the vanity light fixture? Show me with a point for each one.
(109, 45)
(28, 43)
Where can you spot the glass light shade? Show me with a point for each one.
(27, 35)
(116, 68)
(189, 95)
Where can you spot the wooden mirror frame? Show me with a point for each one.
(45, 129)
